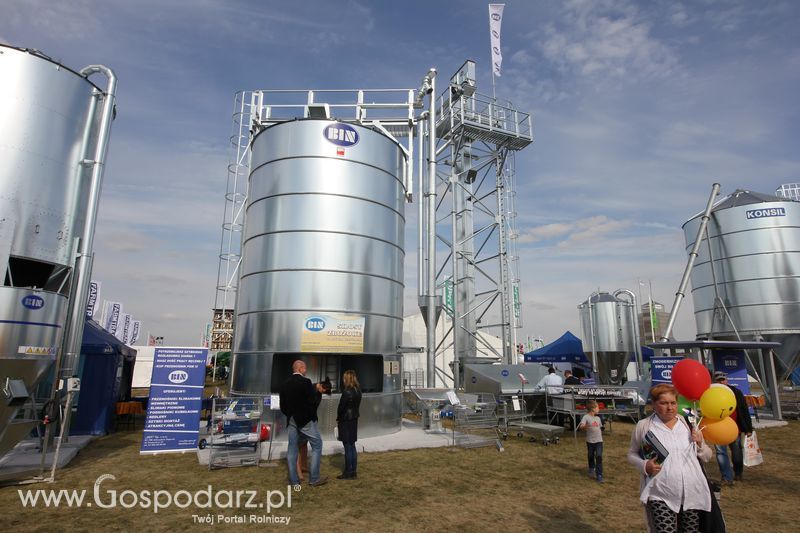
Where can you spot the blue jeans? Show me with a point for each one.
(595, 452)
(350, 458)
(310, 432)
(724, 460)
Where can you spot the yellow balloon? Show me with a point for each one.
(719, 432)
(717, 402)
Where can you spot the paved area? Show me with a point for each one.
(24, 460)
(410, 436)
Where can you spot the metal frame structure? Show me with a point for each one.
(473, 197)
(476, 137)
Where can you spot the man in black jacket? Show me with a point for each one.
(745, 424)
(298, 403)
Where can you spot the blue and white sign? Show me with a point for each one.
(33, 302)
(341, 134)
(732, 362)
(315, 323)
(176, 391)
(765, 213)
(661, 368)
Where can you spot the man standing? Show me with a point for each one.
(298, 403)
(741, 416)
(569, 379)
(552, 382)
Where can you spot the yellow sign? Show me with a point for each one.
(37, 350)
(333, 333)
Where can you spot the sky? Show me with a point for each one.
(639, 107)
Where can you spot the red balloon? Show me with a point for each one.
(690, 378)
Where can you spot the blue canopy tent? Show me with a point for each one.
(569, 349)
(106, 370)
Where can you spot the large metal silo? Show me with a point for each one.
(609, 333)
(53, 128)
(321, 277)
(751, 264)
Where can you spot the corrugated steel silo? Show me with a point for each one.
(321, 277)
(754, 241)
(50, 127)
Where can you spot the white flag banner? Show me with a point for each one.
(135, 329)
(111, 316)
(124, 327)
(495, 21)
(94, 298)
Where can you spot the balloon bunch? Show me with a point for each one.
(717, 401)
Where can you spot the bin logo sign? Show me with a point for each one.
(667, 374)
(315, 323)
(341, 134)
(179, 376)
(33, 302)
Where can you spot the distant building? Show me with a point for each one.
(789, 190)
(646, 324)
(222, 330)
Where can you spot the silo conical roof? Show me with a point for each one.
(741, 197)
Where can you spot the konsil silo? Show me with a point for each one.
(750, 266)
(322, 265)
(609, 334)
(54, 127)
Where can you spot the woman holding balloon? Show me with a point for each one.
(665, 449)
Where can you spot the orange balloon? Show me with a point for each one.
(719, 432)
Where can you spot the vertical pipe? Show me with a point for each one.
(431, 204)
(690, 263)
(635, 333)
(420, 217)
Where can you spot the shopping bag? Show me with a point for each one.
(751, 451)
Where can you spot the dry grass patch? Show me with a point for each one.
(529, 487)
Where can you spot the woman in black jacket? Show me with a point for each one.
(347, 422)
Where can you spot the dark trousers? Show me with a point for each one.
(595, 453)
(350, 458)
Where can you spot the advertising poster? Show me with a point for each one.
(176, 391)
(332, 333)
(732, 362)
(661, 368)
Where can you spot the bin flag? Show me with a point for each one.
(495, 21)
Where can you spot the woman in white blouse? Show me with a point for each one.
(673, 486)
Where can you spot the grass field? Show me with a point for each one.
(528, 487)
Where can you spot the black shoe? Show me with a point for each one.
(737, 477)
(347, 476)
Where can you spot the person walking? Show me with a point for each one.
(299, 403)
(741, 415)
(665, 450)
(594, 440)
(347, 422)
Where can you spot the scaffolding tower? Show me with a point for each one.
(477, 137)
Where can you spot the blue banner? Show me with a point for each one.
(732, 362)
(176, 391)
(661, 368)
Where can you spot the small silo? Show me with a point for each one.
(321, 277)
(52, 124)
(608, 326)
(751, 264)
